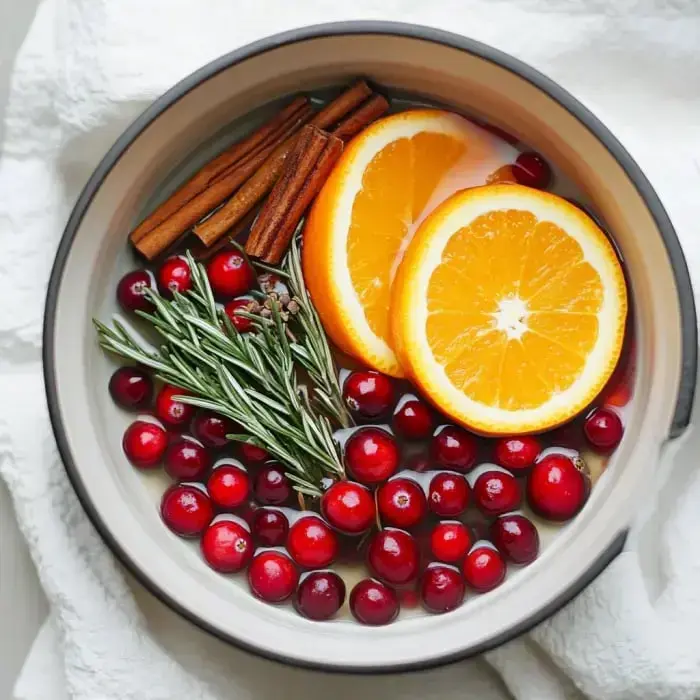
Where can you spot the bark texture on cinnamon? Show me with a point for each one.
(361, 118)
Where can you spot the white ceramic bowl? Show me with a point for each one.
(179, 132)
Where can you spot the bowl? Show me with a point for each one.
(179, 132)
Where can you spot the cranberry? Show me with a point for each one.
(248, 510)
(373, 603)
(272, 486)
(496, 492)
(393, 556)
(131, 388)
(484, 569)
(448, 494)
(368, 394)
(186, 510)
(348, 507)
(413, 421)
(144, 443)
(320, 595)
(230, 274)
(517, 454)
(441, 589)
(186, 460)
(532, 170)
(603, 429)
(454, 448)
(131, 291)
(557, 488)
(401, 503)
(228, 486)
(270, 527)
(227, 546)
(174, 275)
(419, 462)
(251, 454)
(174, 414)
(211, 429)
(516, 538)
(450, 541)
(311, 543)
(272, 576)
(240, 323)
(371, 455)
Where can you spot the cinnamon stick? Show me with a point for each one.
(201, 253)
(361, 118)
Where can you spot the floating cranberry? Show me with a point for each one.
(211, 429)
(228, 486)
(419, 462)
(517, 454)
(186, 460)
(131, 388)
(450, 542)
(186, 510)
(532, 170)
(496, 492)
(516, 538)
(368, 394)
(484, 569)
(448, 494)
(393, 556)
(413, 421)
(230, 274)
(401, 503)
(348, 507)
(272, 576)
(252, 454)
(227, 546)
(454, 448)
(603, 429)
(240, 323)
(441, 589)
(371, 455)
(272, 486)
(311, 543)
(373, 603)
(131, 291)
(270, 527)
(174, 275)
(557, 488)
(144, 444)
(320, 595)
(175, 414)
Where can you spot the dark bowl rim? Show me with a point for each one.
(686, 393)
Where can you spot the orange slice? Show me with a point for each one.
(363, 220)
(509, 309)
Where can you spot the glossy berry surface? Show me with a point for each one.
(348, 507)
(373, 603)
(144, 444)
(556, 488)
(131, 291)
(228, 486)
(311, 543)
(272, 576)
(603, 429)
(172, 413)
(484, 569)
(401, 503)
(516, 538)
(186, 510)
(413, 420)
(320, 595)
(229, 274)
(496, 492)
(368, 394)
(393, 556)
(251, 454)
(227, 546)
(174, 275)
(272, 486)
(186, 460)
(441, 589)
(240, 323)
(454, 448)
(211, 429)
(450, 542)
(371, 455)
(131, 388)
(517, 454)
(270, 527)
(448, 494)
(532, 170)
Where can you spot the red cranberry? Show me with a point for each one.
(448, 494)
(186, 510)
(230, 275)
(272, 576)
(557, 488)
(450, 542)
(211, 429)
(419, 462)
(401, 503)
(373, 603)
(413, 421)
(311, 543)
(228, 486)
(251, 454)
(393, 556)
(320, 595)
(368, 394)
(131, 388)
(131, 291)
(603, 429)
(248, 510)
(371, 455)
(270, 527)
(454, 448)
(517, 453)
(144, 443)
(532, 170)
(272, 486)
(240, 323)
(227, 546)
(484, 569)
(186, 460)
(496, 492)
(441, 589)
(174, 275)
(516, 538)
(348, 507)
(174, 414)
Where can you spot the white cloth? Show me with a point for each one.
(87, 68)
